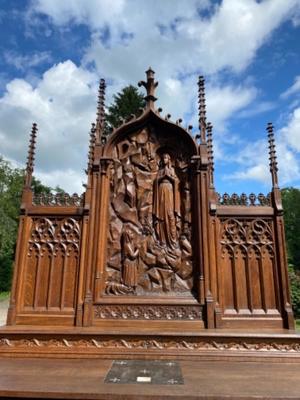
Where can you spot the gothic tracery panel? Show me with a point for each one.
(52, 264)
(149, 240)
(247, 268)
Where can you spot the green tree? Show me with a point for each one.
(291, 206)
(295, 289)
(128, 101)
(11, 181)
(11, 184)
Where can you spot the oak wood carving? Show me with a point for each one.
(149, 249)
(150, 244)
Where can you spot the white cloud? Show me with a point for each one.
(63, 104)
(258, 173)
(67, 179)
(177, 40)
(224, 101)
(236, 31)
(171, 35)
(295, 88)
(258, 168)
(93, 12)
(288, 163)
(291, 132)
(23, 62)
(296, 18)
(253, 157)
(257, 108)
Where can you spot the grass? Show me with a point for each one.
(4, 296)
(298, 324)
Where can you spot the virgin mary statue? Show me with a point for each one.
(166, 203)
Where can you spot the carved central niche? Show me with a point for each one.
(149, 248)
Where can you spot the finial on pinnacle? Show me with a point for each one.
(31, 156)
(272, 155)
(150, 86)
(210, 152)
(91, 147)
(100, 121)
(202, 109)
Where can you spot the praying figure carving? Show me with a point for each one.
(130, 259)
(166, 204)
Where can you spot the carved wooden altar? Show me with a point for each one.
(150, 247)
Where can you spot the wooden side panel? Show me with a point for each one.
(51, 272)
(248, 273)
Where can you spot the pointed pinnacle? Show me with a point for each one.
(202, 108)
(272, 155)
(31, 155)
(100, 121)
(150, 87)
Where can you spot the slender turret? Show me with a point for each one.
(150, 86)
(91, 147)
(202, 109)
(210, 153)
(100, 121)
(272, 155)
(31, 156)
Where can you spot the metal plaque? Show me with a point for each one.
(143, 372)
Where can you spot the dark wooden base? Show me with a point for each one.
(84, 379)
(55, 362)
(118, 340)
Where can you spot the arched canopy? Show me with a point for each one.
(162, 126)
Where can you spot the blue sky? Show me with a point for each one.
(54, 52)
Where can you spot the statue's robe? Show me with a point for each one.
(166, 206)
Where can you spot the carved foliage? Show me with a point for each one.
(147, 312)
(58, 199)
(149, 241)
(199, 345)
(52, 263)
(248, 269)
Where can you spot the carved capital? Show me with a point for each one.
(104, 165)
(196, 164)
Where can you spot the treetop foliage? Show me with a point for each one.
(11, 184)
(128, 101)
(291, 206)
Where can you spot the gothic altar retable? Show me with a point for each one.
(150, 259)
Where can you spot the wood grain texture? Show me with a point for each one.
(150, 245)
(84, 379)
